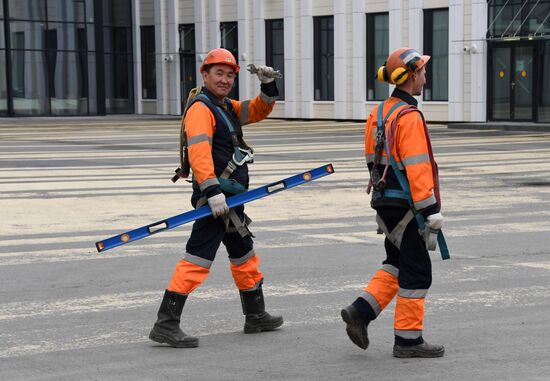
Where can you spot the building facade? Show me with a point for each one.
(490, 59)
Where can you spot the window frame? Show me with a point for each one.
(372, 65)
(270, 54)
(148, 57)
(318, 57)
(429, 50)
(227, 27)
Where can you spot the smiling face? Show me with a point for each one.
(219, 79)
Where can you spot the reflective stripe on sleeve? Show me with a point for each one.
(244, 112)
(267, 99)
(208, 182)
(416, 159)
(197, 260)
(199, 138)
(412, 294)
(425, 203)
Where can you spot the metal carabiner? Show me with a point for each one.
(245, 156)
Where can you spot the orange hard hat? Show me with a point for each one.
(399, 64)
(220, 56)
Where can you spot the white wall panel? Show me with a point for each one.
(467, 71)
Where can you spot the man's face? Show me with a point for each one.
(219, 80)
(419, 80)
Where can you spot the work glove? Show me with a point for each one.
(434, 223)
(265, 74)
(218, 205)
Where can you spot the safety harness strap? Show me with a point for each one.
(380, 138)
(396, 235)
(405, 184)
(228, 185)
(240, 155)
(239, 226)
(405, 193)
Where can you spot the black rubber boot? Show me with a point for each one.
(167, 328)
(420, 350)
(356, 326)
(256, 319)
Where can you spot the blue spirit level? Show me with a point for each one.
(204, 211)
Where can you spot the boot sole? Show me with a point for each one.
(404, 353)
(161, 339)
(263, 327)
(356, 330)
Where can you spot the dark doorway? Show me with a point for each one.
(512, 74)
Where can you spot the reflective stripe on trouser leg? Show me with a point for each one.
(409, 313)
(382, 288)
(245, 271)
(189, 273)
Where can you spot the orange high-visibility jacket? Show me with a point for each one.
(410, 150)
(209, 141)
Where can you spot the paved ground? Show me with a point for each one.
(69, 313)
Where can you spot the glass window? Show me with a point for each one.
(544, 103)
(230, 41)
(67, 95)
(65, 10)
(27, 35)
(275, 50)
(148, 63)
(323, 56)
(91, 83)
(29, 81)
(118, 84)
(27, 9)
(1, 9)
(3, 84)
(187, 61)
(90, 38)
(518, 18)
(117, 12)
(377, 52)
(67, 36)
(436, 45)
(2, 36)
(53, 57)
(117, 40)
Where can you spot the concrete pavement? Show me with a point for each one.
(67, 312)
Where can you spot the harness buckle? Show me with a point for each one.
(243, 155)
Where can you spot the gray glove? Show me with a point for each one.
(218, 205)
(434, 223)
(265, 74)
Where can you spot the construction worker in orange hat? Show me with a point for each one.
(218, 157)
(405, 190)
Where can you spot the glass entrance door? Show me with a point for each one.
(512, 77)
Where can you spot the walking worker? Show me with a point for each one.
(405, 189)
(218, 156)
